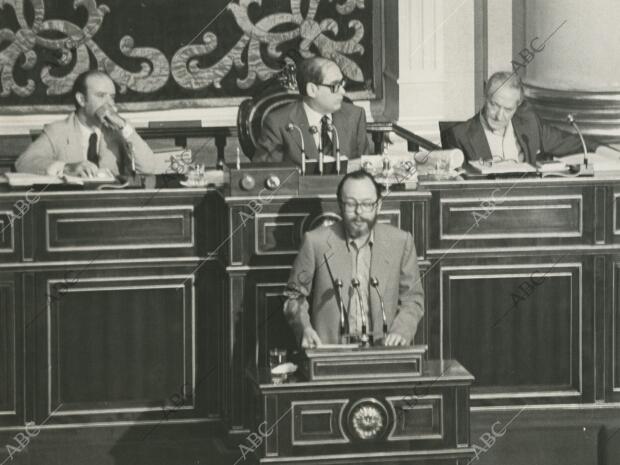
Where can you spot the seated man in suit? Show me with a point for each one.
(94, 136)
(506, 130)
(362, 254)
(321, 86)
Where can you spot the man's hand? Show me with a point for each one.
(108, 116)
(85, 169)
(394, 339)
(310, 339)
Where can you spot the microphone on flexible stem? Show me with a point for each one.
(332, 127)
(315, 130)
(289, 128)
(586, 170)
(356, 285)
(344, 320)
(374, 282)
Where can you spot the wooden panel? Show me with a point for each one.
(512, 216)
(119, 344)
(11, 352)
(515, 218)
(516, 328)
(614, 324)
(272, 236)
(9, 231)
(163, 223)
(318, 422)
(116, 228)
(417, 417)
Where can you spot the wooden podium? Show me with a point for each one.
(370, 419)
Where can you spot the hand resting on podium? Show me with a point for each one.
(311, 339)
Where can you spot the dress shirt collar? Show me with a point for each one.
(314, 117)
(85, 133)
(359, 243)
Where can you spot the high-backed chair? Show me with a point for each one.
(444, 128)
(279, 91)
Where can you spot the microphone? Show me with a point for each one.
(289, 128)
(374, 282)
(585, 171)
(332, 128)
(356, 285)
(344, 320)
(315, 130)
(337, 286)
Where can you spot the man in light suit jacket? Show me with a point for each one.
(92, 137)
(356, 248)
(321, 86)
(509, 130)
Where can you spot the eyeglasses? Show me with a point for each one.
(335, 87)
(365, 206)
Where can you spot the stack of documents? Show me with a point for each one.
(501, 167)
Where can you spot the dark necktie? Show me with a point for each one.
(326, 141)
(92, 149)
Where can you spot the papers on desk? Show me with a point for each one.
(501, 167)
(552, 166)
(27, 179)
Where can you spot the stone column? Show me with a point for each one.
(574, 65)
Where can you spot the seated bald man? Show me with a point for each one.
(91, 138)
(322, 88)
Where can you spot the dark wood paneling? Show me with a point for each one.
(515, 218)
(123, 344)
(614, 336)
(271, 234)
(11, 351)
(10, 228)
(424, 423)
(516, 328)
(78, 229)
(511, 216)
(157, 224)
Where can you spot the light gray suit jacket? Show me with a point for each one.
(62, 141)
(394, 264)
(277, 144)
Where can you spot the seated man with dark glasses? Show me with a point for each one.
(357, 280)
(319, 120)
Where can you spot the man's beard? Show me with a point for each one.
(355, 232)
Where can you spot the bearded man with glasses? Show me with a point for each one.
(320, 109)
(360, 253)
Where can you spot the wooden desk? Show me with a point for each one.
(549, 344)
(109, 306)
(420, 420)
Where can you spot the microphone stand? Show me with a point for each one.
(332, 126)
(344, 320)
(374, 282)
(289, 128)
(586, 170)
(314, 130)
(364, 338)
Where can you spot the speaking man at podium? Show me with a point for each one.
(91, 138)
(320, 119)
(507, 130)
(361, 277)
